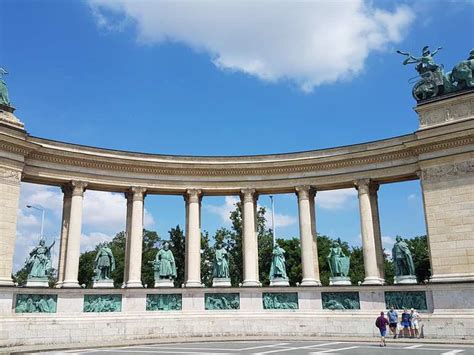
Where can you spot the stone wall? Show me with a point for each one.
(70, 323)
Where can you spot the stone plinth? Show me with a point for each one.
(37, 282)
(404, 280)
(220, 282)
(164, 283)
(103, 284)
(339, 281)
(279, 282)
(8, 118)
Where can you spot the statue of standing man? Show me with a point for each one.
(165, 267)
(4, 100)
(403, 261)
(278, 275)
(39, 265)
(104, 264)
(220, 270)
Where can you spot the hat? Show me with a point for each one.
(412, 309)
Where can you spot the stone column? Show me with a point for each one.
(249, 238)
(134, 263)
(193, 239)
(128, 232)
(9, 198)
(374, 204)
(368, 235)
(73, 245)
(309, 260)
(66, 220)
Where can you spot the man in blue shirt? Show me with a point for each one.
(392, 321)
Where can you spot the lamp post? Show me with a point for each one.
(39, 208)
(273, 220)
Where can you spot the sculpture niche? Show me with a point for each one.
(278, 276)
(38, 265)
(433, 82)
(104, 264)
(339, 265)
(164, 267)
(403, 261)
(220, 270)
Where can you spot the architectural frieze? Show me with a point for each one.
(456, 170)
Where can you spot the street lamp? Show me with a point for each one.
(39, 208)
(273, 220)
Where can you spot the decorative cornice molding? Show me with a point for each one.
(438, 173)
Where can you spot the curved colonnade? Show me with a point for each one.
(440, 154)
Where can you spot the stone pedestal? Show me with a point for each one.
(37, 282)
(404, 280)
(103, 284)
(279, 282)
(339, 281)
(7, 117)
(164, 283)
(221, 282)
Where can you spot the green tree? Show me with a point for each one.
(178, 247)
(293, 259)
(357, 271)
(421, 257)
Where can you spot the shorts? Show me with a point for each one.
(414, 325)
(406, 324)
(392, 325)
(383, 331)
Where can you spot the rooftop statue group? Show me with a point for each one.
(433, 81)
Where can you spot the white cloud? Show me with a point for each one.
(387, 243)
(281, 220)
(89, 241)
(336, 199)
(306, 42)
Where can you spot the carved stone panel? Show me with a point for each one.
(340, 300)
(9, 176)
(217, 301)
(455, 170)
(406, 299)
(164, 302)
(455, 109)
(280, 300)
(102, 303)
(30, 303)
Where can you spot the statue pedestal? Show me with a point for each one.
(37, 282)
(103, 284)
(164, 283)
(279, 282)
(404, 280)
(339, 281)
(221, 282)
(8, 118)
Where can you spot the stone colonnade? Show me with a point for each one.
(72, 219)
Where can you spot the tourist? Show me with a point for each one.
(405, 324)
(393, 321)
(381, 323)
(415, 326)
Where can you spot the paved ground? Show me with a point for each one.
(283, 347)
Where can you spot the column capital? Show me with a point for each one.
(373, 187)
(78, 187)
(362, 185)
(67, 190)
(138, 193)
(305, 192)
(248, 195)
(193, 195)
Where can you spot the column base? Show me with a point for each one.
(134, 284)
(191, 283)
(440, 278)
(6, 281)
(310, 282)
(221, 282)
(251, 283)
(58, 284)
(70, 284)
(373, 281)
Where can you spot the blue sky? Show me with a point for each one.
(222, 78)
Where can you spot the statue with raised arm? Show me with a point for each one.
(104, 264)
(4, 100)
(425, 62)
(38, 264)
